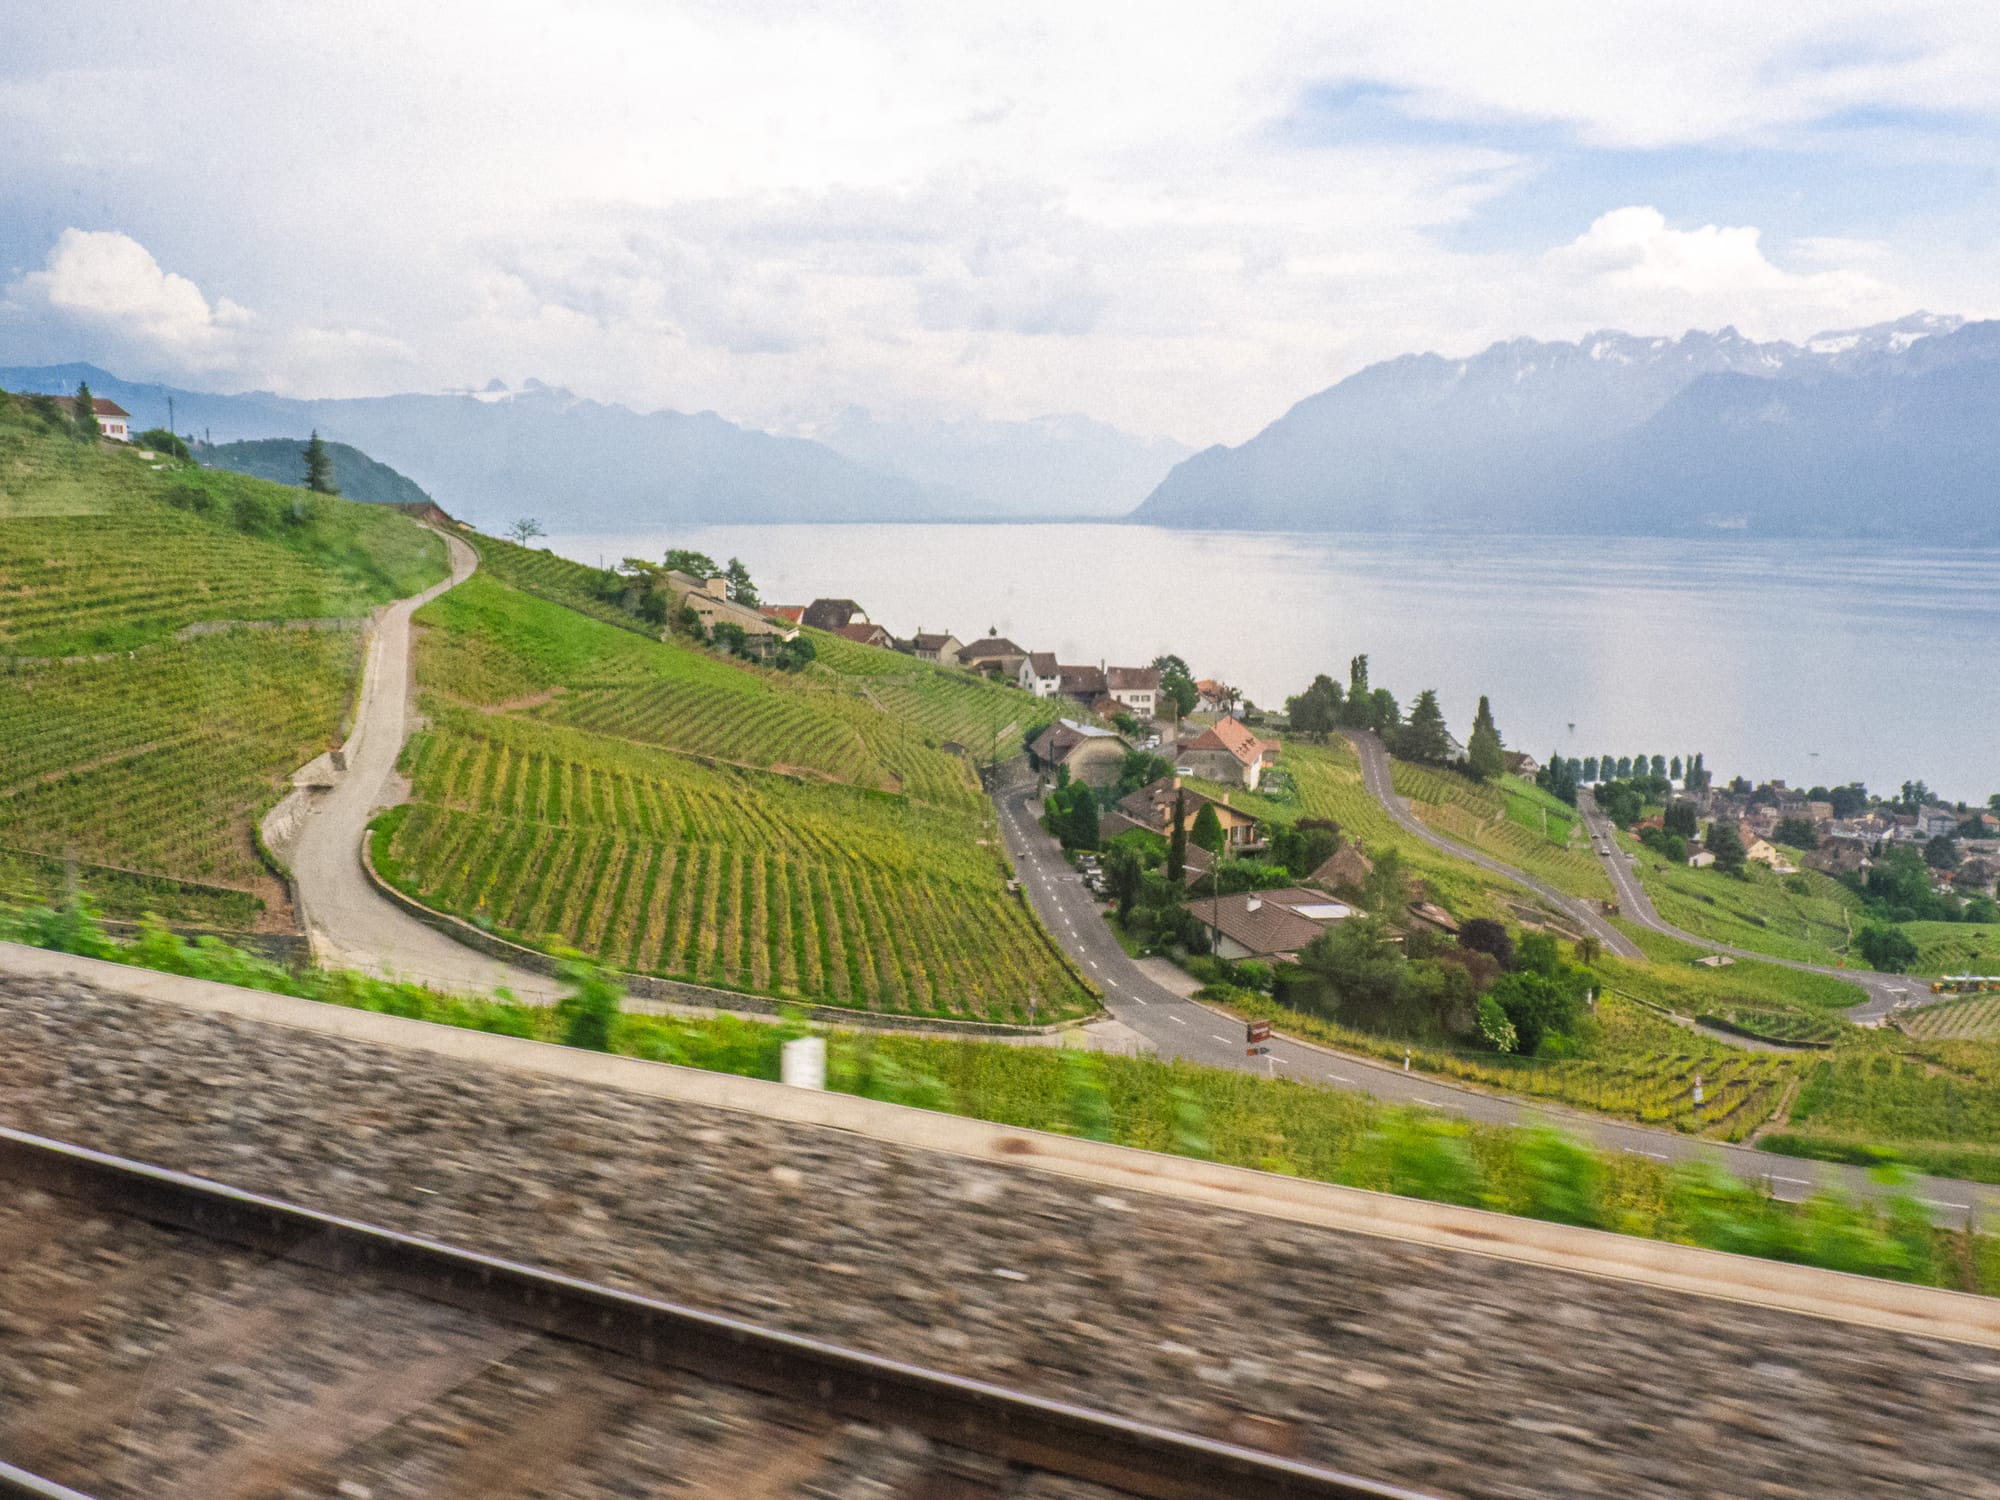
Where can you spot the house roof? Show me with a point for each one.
(1084, 682)
(98, 405)
(1208, 687)
(1132, 679)
(925, 640)
(862, 631)
(1055, 743)
(990, 646)
(1229, 735)
(1346, 866)
(1269, 923)
(1043, 664)
(791, 614)
(830, 614)
(1153, 804)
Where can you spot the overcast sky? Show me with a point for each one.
(1179, 219)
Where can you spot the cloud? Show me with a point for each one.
(1714, 270)
(111, 283)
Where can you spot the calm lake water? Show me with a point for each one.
(1811, 662)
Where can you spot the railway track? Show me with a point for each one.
(163, 1335)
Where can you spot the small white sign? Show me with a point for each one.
(802, 1063)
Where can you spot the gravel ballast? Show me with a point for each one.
(1440, 1370)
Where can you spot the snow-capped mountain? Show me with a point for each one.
(1621, 433)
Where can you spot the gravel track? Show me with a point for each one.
(1438, 1370)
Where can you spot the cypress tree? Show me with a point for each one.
(1483, 751)
(1208, 829)
(319, 467)
(87, 426)
(1177, 840)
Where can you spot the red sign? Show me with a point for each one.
(1257, 1031)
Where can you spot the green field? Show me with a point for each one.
(675, 812)
(135, 764)
(1761, 912)
(1506, 819)
(101, 551)
(1974, 1019)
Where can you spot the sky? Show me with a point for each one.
(1179, 219)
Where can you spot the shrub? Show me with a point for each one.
(585, 1014)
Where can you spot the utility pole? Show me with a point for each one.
(170, 416)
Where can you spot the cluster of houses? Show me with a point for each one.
(1847, 845)
(1222, 750)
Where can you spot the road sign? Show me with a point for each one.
(1257, 1031)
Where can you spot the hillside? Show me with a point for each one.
(1859, 433)
(675, 812)
(355, 474)
(135, 756)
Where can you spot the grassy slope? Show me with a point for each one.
(1505, 820)
(157, 761)
(677, 812)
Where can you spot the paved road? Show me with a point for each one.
(1885, 991)
(1376, 776)
(350, 923)
(1180, 1027)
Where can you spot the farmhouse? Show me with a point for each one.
(1084, 684)
(993, 655)
(1136, 688)
(710, 601)
(1040, 675)
(866, 633)
(1092, 755)
(1343, 870)
(939, 649)
(1152, 806)
(1267, 924)
(831, 614)
(112, 419)
(1229, 753)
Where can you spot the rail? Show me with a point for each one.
(1056, 1437)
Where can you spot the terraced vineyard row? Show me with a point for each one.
(1977, 1019)
(1955, 947)
(160, 763)
(1479, 816)
(667, 865)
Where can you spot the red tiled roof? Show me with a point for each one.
(1231, 736)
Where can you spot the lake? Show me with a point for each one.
(1813, 662)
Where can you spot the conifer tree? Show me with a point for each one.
(87, 426)
(1483, 751)
(319, 467)
(1424, 738)
(1207, 829)
(1177, 840)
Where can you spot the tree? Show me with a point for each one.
(1485, 756)
(1624, 768)
(1697, 775)
(525, 530)
(1425, 738)
(741, 589)
(1357, 678)
(731, 637)
(1318, 709)
(1484, 935)
(694, 564)
(1726, 844)
(1796, 833)
(1207, 832)
(1680, 819)
(1123, 876)
(1384, 889)
(162, 441)
(1177, 689)
(1886, 948)
(319, 466)
(1659, 768)
(1590, 768)
(1674, 769)
(795, 655)
(84, 414)
(1994, 802)
(1177, 840)
(1941, 853)
(1356, 972)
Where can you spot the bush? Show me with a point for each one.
(585, 1014)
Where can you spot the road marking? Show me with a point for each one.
(1794, 1181)
(1092, 962)
(1955, 1207)
(1177, 1020)
(1340, 1078)
(1222, 1039)
(1142, 1000)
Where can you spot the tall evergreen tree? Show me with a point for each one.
(1674, 769)
(1590, 768)
(1425, 738)
(87, 426)
(1207, 829)
(1484, 753)
(319, 467)
(1177, 840)
(741, 589)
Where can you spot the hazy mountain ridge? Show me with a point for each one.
(582, 465)
(1622, 434)
(355, 474)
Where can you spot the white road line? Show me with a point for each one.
(1177, 1020)
(1954, 1207)
(1222, 1039)
(1142, 1000)
(1092, 962)
(1794, 1181)
(1340, 1078)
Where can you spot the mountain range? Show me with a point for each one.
(1890, 431)
(581, 465)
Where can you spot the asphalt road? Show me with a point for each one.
(1885, 991)
(1182, 1028)
(1375, 775)
(351, 925)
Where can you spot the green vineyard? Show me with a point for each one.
(1977, 1019)
(678, 813)
(1505, 821)
(160, 763)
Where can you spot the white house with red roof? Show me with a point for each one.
(1229, 753)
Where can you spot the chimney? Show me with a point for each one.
(1177, 783)
(1225, 799)
(1253, 904)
